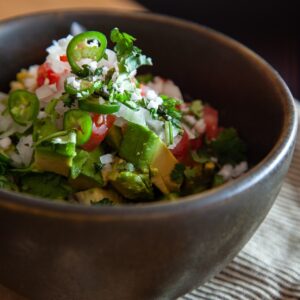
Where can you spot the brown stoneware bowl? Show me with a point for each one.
(157, 250)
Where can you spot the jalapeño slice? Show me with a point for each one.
(92, 104)
(23, 106)
(90, 44)
(82, 122)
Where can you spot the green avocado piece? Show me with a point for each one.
(139, 146)
(114, 137)
(146, 151)
(47, 160)
(132, 185)
(56, 154)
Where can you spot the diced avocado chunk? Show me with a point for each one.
(56, 153)
(114, 137)
(98, 195)
(49, 161)
(145, 150)
(132, 185)
(139, 146)
(162, 166)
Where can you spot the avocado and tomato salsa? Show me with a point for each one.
(83, 127)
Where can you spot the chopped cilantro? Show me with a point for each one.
(130, 57)
(47, 185)
(4, 160)
(104, 201)
(177, 174)
(228, 147)
(77, 164)
(200, 156)
(218, 180)
(7, 183)
(168, 110)
(98, 166)
(68, 100)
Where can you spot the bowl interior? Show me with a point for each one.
(204, 64)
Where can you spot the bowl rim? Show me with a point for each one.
(153, 210)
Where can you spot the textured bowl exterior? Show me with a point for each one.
(157, 250)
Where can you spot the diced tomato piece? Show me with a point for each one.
(196, 143)
(182, 148)
(101, 125)
(63, 58)
(210, 116)
(45, 72)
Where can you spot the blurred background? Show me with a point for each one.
(269, 27)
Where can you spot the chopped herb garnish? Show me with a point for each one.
(130, 57)
(177, 174)
(218, 180)
(228, 147)
(104, 201)
(46, 185)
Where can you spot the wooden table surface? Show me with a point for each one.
(17, 7)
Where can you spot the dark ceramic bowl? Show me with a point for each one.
(155, 250)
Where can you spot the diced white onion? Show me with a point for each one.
(25, 149)
(56, 50)
(44, 92)
(120, 122)
(5, 143)
(200, 126)
(190, 132)
(226, 172)
(190, 120)
(166, 87)
(41, 115)
(239, 169)
(106, 159)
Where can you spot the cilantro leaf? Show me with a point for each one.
(168, 110)
(177, 175)
(218, 180)
(228, 147)
(47, 185)
(4, 162)
(6, 182)
(78, 161)
(104, 201)
(87, 164)
(130, 57)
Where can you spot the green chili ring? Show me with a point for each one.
(93, 105)
(79, 48)
(82, 122)
(23, 106)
